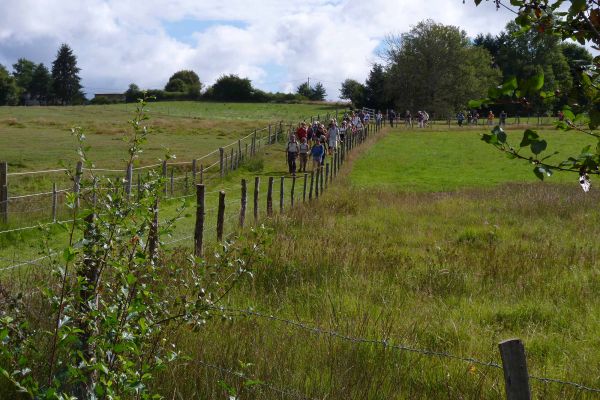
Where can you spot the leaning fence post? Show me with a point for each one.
(199, 229)
(54, 201)
(256, 187)
(243, 205)
(77, 180)
(221, 215)
(321, 178)
(281, 195)
(221, 151)
(292, 191)
(514, 364)
(304, 187)
(270, 197)
(4, 191)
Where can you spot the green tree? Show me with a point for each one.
(304, 90)
(232, 88)
(375, 88)
(318, 92)
(41, 84)
(8, 88)
(133, 93)
(435, 67)
(65, 76)
(354, 91)
(184, 81)
(23, 74)
(548, 20)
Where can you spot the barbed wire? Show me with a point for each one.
(385, 343)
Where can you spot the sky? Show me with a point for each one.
(278, 44)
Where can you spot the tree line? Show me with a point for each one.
(438, 68)
(31, 82)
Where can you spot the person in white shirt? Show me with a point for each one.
(292, 153)
(304, 149)
(333, 133)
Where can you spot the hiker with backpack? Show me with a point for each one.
(303, 149)
(292, 153)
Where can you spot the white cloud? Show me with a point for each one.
(122, 41)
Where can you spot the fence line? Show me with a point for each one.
(387, 344)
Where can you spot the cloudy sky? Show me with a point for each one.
(278, 44)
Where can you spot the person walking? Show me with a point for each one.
(460, 117)
(392, 117)
(490, 118)
(317, 152)
(292, 153)
(503, 116)
(333, 134)
(303, 149)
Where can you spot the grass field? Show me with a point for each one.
(431, 240)
(453, 272)
(39, 137)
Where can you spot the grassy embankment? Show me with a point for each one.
(434, 241)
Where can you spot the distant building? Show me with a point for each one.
(111, 97)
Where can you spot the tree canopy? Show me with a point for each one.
(184, 81)
(354, 91)
(316, 92)
(65, 76)
(436, 67)
(232, 88)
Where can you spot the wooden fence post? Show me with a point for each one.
(54, 201)
(321, 179)
(221, 216)
(221, 151)
(317, 179)
(514, 364)
(194, 171)
(239, 151)
(312, 178)
(172, 180)
(292, 191)
(256, 188)
(202, 173)
(270, 197)
(326, 173)
(231, 166)
(243, 205)
(187, 183)
(199, 229)
(253, 152)
(281, 195)
(77, 181)
(4, 191)
(164, 174)
(304, 187)
(279, 131)
(224, 172)
(270, 140)
(153, 239)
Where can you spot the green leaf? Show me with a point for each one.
(69, 254)
(475, 103)
(594, 118)
(536, 82)
(577, 6)
(529, 137)
(538, 146)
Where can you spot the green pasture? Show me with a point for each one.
(430, 240)
(34, 138)
(425, 160)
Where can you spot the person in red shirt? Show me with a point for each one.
(302, 131)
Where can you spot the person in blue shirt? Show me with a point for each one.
(317, 152)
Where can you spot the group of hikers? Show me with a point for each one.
(472, 118)
(316, 141)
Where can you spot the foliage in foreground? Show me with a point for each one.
(103, 321)
(580, 22)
